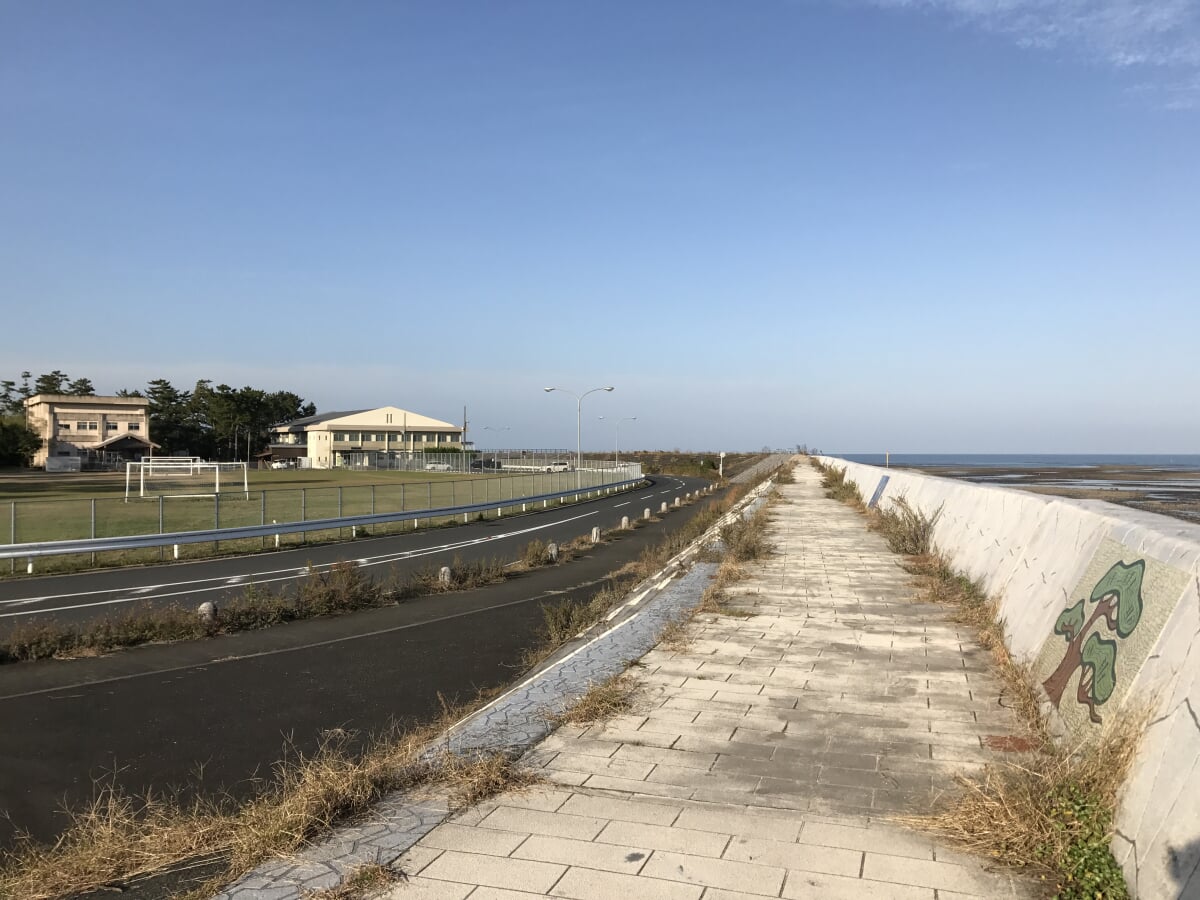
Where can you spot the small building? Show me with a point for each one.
(332, 440)
(89, 432)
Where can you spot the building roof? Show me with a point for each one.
(86, 399)
(128, 438)
(356, 419)
(301, 424)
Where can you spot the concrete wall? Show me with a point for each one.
(1104, 603)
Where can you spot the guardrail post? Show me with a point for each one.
(262, 513)
(624, 523)
(664, 506)
(372, 499)
(595, 534)
(161, 549)
(303, 513)
(678, 503)
(93, 556)
(646, 514)
(12, 534)
(217, 515)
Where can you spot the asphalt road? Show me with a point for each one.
(90, 596)
(208, 716)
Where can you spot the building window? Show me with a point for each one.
(110, 426)
(339, 436)
(135, 426)
(64, 426)
(93, 426)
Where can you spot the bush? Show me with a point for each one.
(908, 531)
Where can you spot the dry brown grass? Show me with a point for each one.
(601, 701)
(908, 531)
(676, 637)
(476, 777)
(364, 881)
(1049, 811)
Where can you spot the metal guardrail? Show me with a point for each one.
(147, 541)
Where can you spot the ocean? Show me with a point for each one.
(1187, 462)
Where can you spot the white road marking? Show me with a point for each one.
(619, 505)
(662, 584)
(639, 598)
(202, 585)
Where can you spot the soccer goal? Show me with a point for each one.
(185, 476)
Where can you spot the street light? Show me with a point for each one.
(617, 436)
(578, 423)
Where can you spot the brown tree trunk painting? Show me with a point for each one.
(1056, 684)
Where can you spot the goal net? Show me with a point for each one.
(184, 476)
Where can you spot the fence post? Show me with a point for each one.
(372, 499)
(217, 515)
(93, 556)
(12, 534)
(162, 551)
(303, 514)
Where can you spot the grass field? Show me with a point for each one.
(40, 507)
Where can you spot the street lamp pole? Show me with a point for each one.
(578, 423)
(617, 438)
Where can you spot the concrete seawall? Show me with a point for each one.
(1103, 602)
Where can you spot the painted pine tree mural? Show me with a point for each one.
(1118, 602)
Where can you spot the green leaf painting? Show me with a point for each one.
(1100, 656)
(1125, 583)
(1070, 622)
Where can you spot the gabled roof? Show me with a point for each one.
(129, 437)
(301, 424)
(369, 418)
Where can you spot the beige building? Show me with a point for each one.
(330, 440)
(82, 432)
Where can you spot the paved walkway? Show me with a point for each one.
(763, 759)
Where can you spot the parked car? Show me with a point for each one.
(438, 467)
(280, 464)
(558, 466)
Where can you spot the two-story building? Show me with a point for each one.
(85, 432)
(331, 440)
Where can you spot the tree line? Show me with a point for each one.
(214, 422)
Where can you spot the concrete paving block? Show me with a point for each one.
(926, 873)
(627, 786)
(813, 886)
(659, 837)
(590, 884)
(415, 859)
(421, 888)
(533, 821)
(877, 838)
(608, 857)
(718, 873)
(449, 836)
(494, 871)
(658, 756)
(649, 812)
(790, 855)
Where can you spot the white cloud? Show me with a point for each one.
(1163, 35)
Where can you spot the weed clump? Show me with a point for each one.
(907, 530)
(837, 487)
(601, 701)
(1051, 812)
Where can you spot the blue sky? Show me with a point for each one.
(949, 225)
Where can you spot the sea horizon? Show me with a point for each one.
(1169, 461)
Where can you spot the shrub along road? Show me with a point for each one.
(210, 715)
